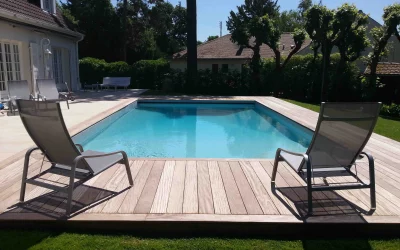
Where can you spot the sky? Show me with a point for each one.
(211, 12)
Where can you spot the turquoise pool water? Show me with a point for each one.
(196, 130)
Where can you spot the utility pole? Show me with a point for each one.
(191, 44)
(220, 29)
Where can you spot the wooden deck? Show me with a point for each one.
(209, 190)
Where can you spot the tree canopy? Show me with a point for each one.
(210, 38)
(344, 28)
(131, 31)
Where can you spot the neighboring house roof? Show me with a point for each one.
(385, 69)
(224, 48)
(27, 10)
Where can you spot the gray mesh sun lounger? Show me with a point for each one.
(45, 125)
(48, 91)
(342, 131)
(18, 90)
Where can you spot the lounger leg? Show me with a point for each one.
(309, 188)
(128, 170)
(277, 160)
(25, 173)
(371, 179)
(70, 191)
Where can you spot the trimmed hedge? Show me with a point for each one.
(300, 80)
(391, 110)
(144, 74)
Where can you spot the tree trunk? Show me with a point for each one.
(124, 30)
(326, 61)
(191, 44)
(277, 72)
(256, 68)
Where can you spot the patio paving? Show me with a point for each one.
(14, 139)
(202, 190)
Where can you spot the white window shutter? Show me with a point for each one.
(34, 53)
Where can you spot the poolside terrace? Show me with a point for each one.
(193, 194)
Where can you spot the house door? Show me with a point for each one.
(10, 66)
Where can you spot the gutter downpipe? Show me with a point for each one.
(78, 78)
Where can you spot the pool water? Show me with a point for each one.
(196, 130)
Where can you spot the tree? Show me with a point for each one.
(199, 43)
(169, 24)
(294, 19)
(381, 36)
(252, 25)
(191, 42)
(344, 28)
(97, 20)
(210, 38)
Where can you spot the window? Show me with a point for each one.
(215, 68)
(225, 68)
(48, 5)
(58, 66)
(10, 66)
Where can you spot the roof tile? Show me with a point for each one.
(224, 48)
(23, 7)
(386, 68)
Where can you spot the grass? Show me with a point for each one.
(385, 126)
(50, 240)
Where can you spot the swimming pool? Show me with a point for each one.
(196, 130)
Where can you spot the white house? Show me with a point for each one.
(36, 43)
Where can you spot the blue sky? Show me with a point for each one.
(211, 12)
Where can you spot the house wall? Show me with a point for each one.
(207, 64)
(24, 36)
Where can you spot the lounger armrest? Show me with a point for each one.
(80, 147)
(279, 158)
(79, 158)
(371, 161)
(279, 150)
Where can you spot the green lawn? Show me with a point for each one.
(45, 240)
(386, 127)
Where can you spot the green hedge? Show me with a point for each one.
(391, 110)
(300, 80)
(144, 74)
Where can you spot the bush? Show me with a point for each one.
(300, 80)
(150, 73)
(144, 74)
(391, 110)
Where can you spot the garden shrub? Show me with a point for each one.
(300, 79)
(392, 110)
(149, 74)
(144, 74)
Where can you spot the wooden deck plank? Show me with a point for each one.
(261, 194)
(132, 197)
(160, 203)
(266, 182)
(149, 191)
(175, 202)
(297, 185)
(113, 205)
(218, 189)
(236, 204)
(206, 204)
(110, 187)
(190, 199)
(249, 199)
